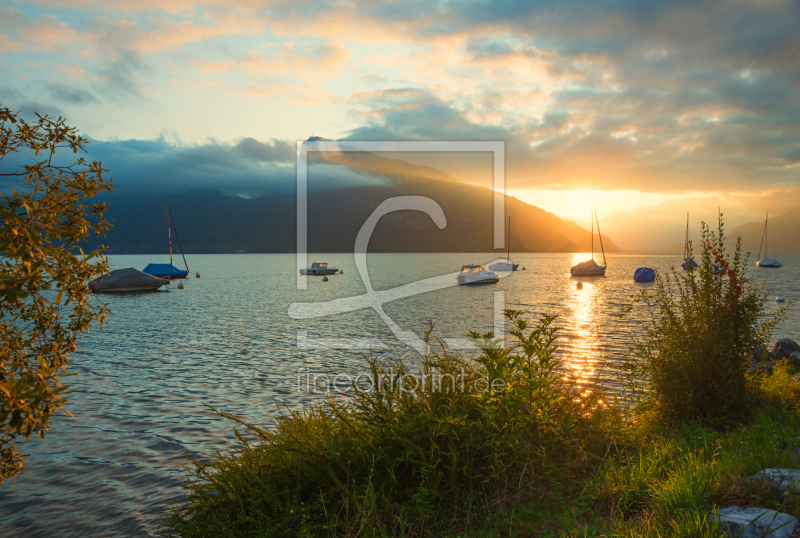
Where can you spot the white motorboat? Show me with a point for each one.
(765, 261)
(591, 267)
(319, 269)
(127, 280)
(507, 264)
(476, 274)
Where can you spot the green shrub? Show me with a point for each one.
(397, 461)
(691, 359)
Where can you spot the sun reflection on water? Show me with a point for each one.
(582, 352)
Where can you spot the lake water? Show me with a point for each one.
(227, 340)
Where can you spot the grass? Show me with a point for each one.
(537, 457)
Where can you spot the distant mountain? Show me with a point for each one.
(662, 227)
(209, 221)
(784, 234)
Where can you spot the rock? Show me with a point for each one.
(795, 379)
(758, 354)
(755, 522)
(783, 479)
(794, 360)
(784, 348)
(765, 367)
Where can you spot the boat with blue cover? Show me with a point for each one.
(644, 274)
(167, 270)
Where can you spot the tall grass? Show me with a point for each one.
(461, 442)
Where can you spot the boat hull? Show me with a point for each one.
(478, 280)
(504, 267)
(597, 271)
(769, 264)
(318, 272)
(140, 288)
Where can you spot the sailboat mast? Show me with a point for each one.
(509, 239)
(169, 235)
(686, 241)
(591, 219)
(179, 240)
(766, 233)
(600, 236)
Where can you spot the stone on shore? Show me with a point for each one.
(783, 479)
(784, 348)
(758, 354)
(755, 522)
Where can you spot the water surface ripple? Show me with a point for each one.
(227, 341)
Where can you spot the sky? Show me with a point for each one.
(636, 102)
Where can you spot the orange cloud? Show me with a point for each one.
(6, 45)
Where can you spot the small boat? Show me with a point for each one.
(644, 274)
(167, 270)
(590, 267)
(476, 274)
(780, 299)
(319, 269)
(507, 264)
(127, 280)
(688, 263)
(765, 261)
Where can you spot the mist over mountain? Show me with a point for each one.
(662, 227)
(783, 238)
(209, 221)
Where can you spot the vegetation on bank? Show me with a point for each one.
(44, 302)
(512, 448)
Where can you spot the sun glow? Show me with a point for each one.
(577, 204)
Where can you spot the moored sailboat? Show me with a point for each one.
(507, 264)
(590, 267)
(167, 270)
(766, 261)
(688, 263)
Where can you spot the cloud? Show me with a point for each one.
(7, 45)
(579, 144)
(68, 94)
(621, 94)
(304, 61)
(121, 78)
(246, 167)
(27, 108)
(293, 93)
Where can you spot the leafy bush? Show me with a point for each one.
(460, 441)
(44, 302)
(691, 360)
